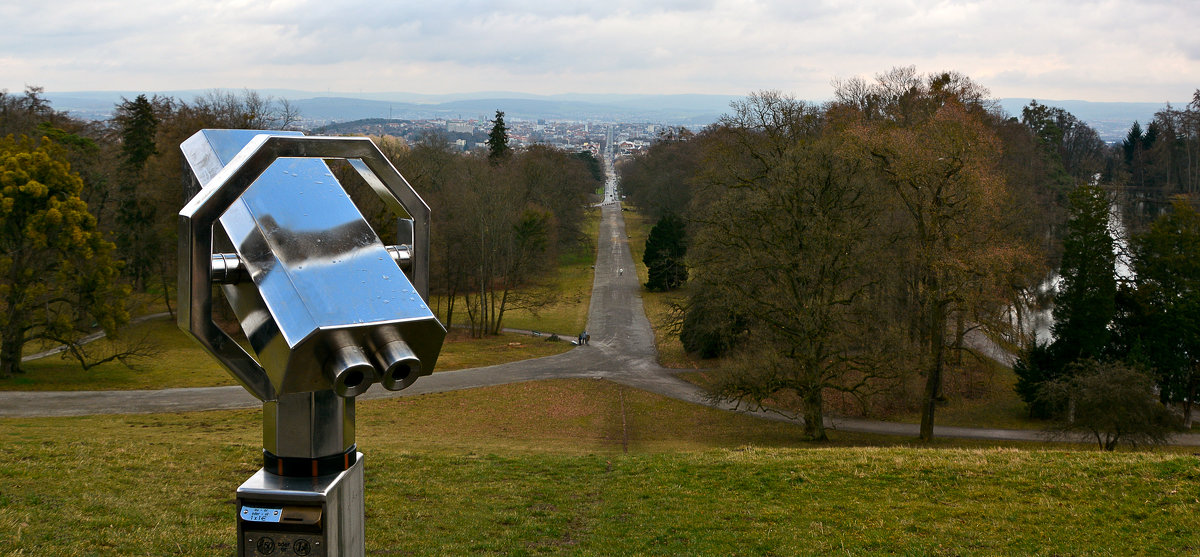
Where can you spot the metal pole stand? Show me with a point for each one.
(326, 307)
(314, 517)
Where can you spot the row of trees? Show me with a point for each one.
(862, 242)
(90, 213)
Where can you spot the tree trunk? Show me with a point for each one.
(933, 381)
(1187, 404)
(10, 353)
(814, 418)
(166, 286)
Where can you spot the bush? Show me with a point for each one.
(1112, 401)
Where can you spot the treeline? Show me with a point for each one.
(852, 246)
(88, 214)
(1164, 157)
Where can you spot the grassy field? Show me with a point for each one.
(587, 467)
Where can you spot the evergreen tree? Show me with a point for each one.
(1086, 300)
(1160, 322)
(138, 127)
(1085, 304)
(1036, 366)
(136, 212)
(497, 141)
(665, 249)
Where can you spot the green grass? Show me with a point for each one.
(180, 362)
(541, 468)
(460, 351)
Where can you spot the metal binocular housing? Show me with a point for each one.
(327, 308)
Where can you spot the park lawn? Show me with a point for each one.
(181, 362)
(981, 397)
(460, 351)
(542, 468)
(178, 361)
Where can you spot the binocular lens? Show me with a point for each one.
(394, 356)
(349, 371)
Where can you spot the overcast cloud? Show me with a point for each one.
(1118, 50)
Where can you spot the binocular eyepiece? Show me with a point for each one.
(350, 371)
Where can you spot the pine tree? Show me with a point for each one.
(138, 127)
(1160, 322)
(497, 142)
(136, 213)
(1086, 299)
(665, 249)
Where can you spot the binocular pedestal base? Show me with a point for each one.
(306, 517)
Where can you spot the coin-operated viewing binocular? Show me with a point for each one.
(326, 307)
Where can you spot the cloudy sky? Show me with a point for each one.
(1113, 50)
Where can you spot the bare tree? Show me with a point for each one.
(930, 141)
(783, 227)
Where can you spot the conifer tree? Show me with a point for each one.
(665, 249)
(497, 142)
(1086, 299)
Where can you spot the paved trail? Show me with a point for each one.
(621, 350)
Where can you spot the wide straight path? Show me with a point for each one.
(621, 350)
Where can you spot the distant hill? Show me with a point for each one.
(1111, 119)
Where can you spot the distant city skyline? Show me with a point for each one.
(1107, 50)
